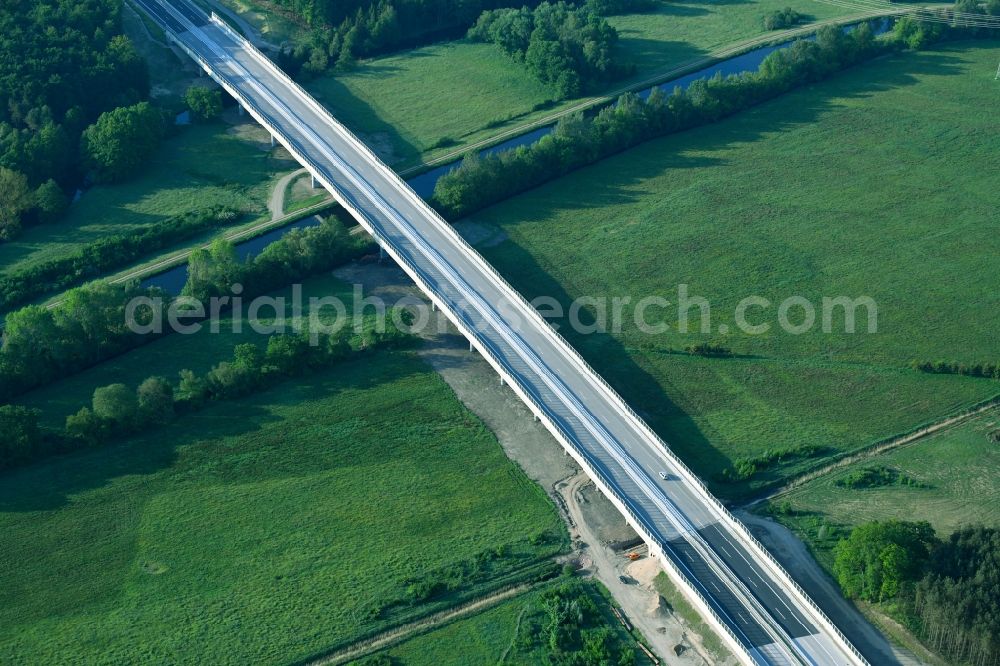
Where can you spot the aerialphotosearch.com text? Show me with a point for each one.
(650, 314)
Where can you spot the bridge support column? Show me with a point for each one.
(239, 108)
(273, 142)
(471, 348)
(314, 187)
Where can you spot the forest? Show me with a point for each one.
(62, 64)
(945, 591)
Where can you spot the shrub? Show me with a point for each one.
(20, 437)
(192, 391)
(874, 477)
(744, 468)
(708, 349)
(50, 201)
(156, 400)
(204, 103)
(116, 404)
(288, 354)
(987, 370)
(782, 18)
(84, 425)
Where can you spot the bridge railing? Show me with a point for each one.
(515, 297)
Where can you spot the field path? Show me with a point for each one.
(876, 450)
(405, 631)
(276, 204)
(638, 598)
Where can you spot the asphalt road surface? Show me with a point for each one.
(771, 622)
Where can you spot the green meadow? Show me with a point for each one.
(267, 529)
(878, 183)
(428, 101)
(202, 166)
(955, 473)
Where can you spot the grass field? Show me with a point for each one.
(508, 633)
(679, 31)
(439, 96)
(204, 165)
(430, 100)
(264, 530)
(879, 183)
(957, 470)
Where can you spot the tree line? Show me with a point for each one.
(62, 64)
(946, 591)
(117, 411)
(89, 325)
(578, 140)
(567, 47)
(297, 255)
(99, 256)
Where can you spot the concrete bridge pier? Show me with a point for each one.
(239, 108)
(313, 181)
(273, 142)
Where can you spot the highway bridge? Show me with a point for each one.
(727, 575)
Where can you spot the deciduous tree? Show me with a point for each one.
(121, 141)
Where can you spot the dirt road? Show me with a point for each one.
(593, 521)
